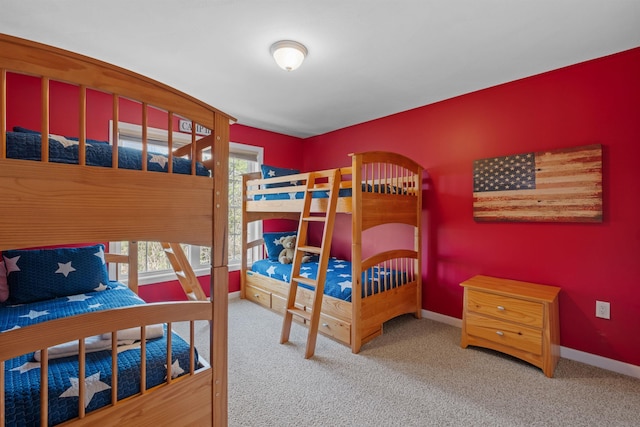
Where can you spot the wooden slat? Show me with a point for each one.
(143, 360)
(2, 401)
(44, 386)
(82, 375)
(44, 119)
(170, 141)
(114, 129)
(145, 142)
(114, 367)
(82, 131)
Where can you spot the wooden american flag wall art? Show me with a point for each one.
(548, 186)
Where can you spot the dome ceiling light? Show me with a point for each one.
(288, 54)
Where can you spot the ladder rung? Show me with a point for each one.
(305, 280)
(315, 218)
(312, 249)
(300, 313)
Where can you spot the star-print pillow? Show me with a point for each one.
(40, 274)
(272, 244)
(271, 172)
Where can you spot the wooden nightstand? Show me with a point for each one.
(513, 317)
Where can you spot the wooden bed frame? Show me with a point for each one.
(112, 204)
(357, 322)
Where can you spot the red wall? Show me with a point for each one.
(592, 102)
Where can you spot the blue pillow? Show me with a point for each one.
(40, 274)
(271, 242)
(271, 172)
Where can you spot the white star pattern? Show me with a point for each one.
(102, 287)
(161, 160)
(271, 270)
(344, 275)
(306, 275)
(292, 196)
(11, 264)
(176, 370)
(26, 367)
(65, 268)
(94, 305)
(339, 266)
(305, 268)
(33, 314)
(345, 285)
(100, 254)
(78, 298)
(15, 327)
(93, 385)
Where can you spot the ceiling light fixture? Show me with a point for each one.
(288, 54)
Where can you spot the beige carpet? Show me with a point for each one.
(415, 374)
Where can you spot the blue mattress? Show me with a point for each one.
(27, 146)
(22, 374)
(344, 192)
(338, 279)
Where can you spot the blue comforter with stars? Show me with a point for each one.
(22, 374)
(338, 279)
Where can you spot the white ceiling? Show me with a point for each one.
(367, 58)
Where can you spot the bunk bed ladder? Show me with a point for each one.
(326, 218)
(186, 276)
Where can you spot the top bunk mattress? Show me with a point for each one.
(26, 145)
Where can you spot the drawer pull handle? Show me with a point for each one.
(257, 295)
(326, 325)
(501, 308)
(500, 333)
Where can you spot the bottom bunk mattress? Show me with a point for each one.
(22, 374)
(338, 280)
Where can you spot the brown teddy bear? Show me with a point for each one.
(289, 244)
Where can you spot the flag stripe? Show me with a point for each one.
(568, 187)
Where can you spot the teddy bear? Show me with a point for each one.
(289, 244)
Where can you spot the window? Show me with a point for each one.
(153, 265)
(242, 159)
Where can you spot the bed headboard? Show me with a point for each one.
(46, 203)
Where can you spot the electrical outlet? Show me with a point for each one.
(603, 310)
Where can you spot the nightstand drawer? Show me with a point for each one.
(505, 333)
(528, 313)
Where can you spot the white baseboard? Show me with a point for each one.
(567, 353)
(234, 295)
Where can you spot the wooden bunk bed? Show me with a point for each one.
(57, 201)
(379, 188)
